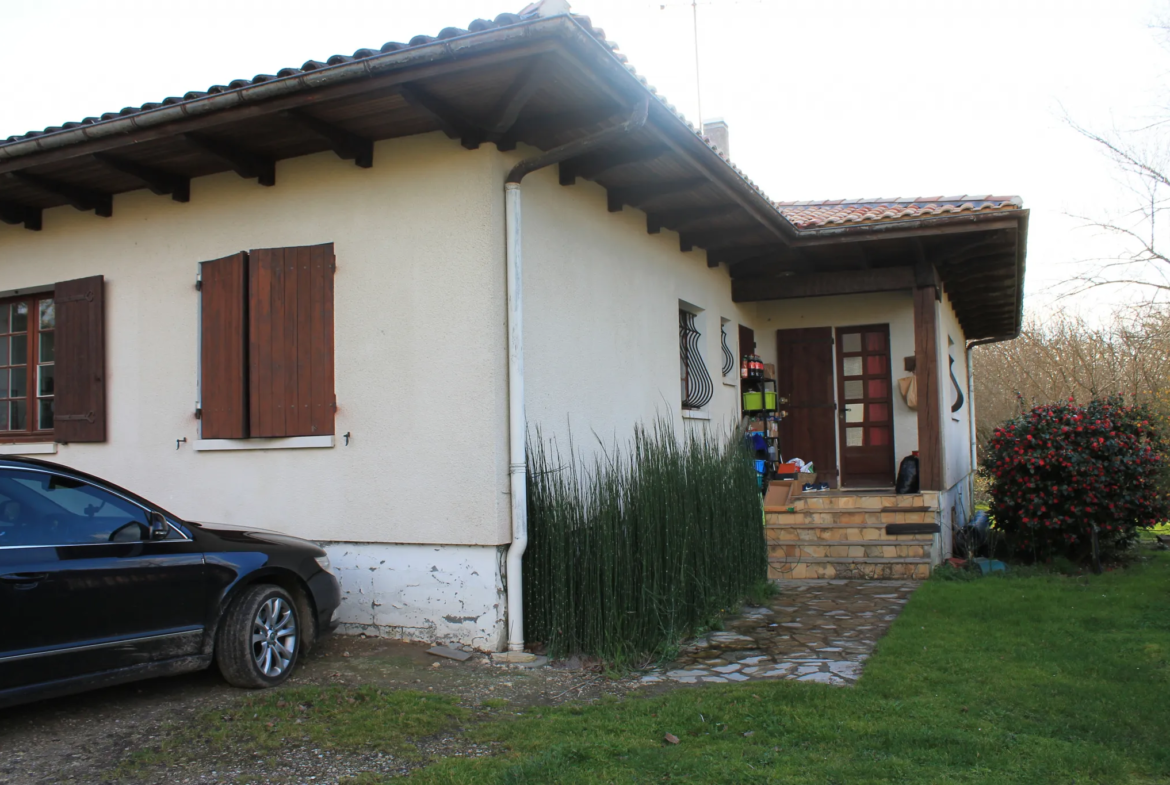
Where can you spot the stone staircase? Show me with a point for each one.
(853, 534)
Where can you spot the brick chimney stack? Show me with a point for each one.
(716, 130)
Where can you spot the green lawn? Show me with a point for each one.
(1038, 679)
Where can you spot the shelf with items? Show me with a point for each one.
(760, 401)
(762, 429)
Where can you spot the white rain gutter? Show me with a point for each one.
(517, 454)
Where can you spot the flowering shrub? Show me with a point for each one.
(1060, 469)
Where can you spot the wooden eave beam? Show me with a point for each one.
(925, 273)
(158, 181)
(594, 64)
(451, 121)
(792, 262)
(537, 129)
(1000, 239)
(81, 198)
(249, 111)
(597, 163)
(243, 162)
(678, 219)
(636, 195)
(714, 239)
(502, 119)
(741, 254)
(347, 145)
(15, 214)
(888, 279)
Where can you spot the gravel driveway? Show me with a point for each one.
(83, 739)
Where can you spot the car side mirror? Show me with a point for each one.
(158, 526)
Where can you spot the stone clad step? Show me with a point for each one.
(851, 517)
(848, 535)
(863, 500)
(870, 568)
(850, 550)
(836, 531)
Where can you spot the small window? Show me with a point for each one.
(40, 508)
(729, 364)
(27, 331)
(52, 364)
(694, 378)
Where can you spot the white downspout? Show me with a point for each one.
(517, 457)
(971, 409)
(517, 453)
(971, 428)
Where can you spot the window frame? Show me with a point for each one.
(32, 434)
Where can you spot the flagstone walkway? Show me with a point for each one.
(821, 631)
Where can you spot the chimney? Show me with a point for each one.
(716, 130)
(546, 8)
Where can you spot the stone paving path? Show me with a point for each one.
(815, 630)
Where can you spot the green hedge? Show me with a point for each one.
(630, 554)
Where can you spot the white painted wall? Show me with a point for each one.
(957, 502)
(445, 593)
(893, 308)
(420, 353)
(955, 425)
(414, 510)
(601, 317)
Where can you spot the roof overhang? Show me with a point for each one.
(542, 81)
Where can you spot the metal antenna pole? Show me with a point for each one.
(698, 82)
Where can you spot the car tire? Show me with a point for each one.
(260, 638)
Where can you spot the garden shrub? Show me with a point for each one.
(1062, 469)
(642, 546)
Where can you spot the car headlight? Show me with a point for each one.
(323, 563)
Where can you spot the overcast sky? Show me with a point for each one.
(825, 99)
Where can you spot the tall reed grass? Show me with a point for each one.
(637, 548)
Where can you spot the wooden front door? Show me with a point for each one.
(865, 405)
(804, 375)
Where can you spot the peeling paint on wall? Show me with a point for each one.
(434, 593)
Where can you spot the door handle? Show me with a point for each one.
(27, 578)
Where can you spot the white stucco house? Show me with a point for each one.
(329, 301)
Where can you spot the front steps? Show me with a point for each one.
(843, 534)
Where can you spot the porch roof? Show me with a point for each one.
(810, 215)
(540, 78)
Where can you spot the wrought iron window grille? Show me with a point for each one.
(697, 387)
(728, 357)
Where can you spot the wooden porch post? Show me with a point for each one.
(930, 459)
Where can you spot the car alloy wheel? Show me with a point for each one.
(274, 637)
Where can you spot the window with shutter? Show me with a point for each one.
(79, 352)
(266, 358)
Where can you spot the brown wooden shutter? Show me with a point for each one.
(291, 341)
(223, 352)
(80, 407)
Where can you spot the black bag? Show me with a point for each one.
(908, 475)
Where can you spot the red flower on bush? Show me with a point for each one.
(1104, 472)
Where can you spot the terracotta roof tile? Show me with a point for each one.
(846, 212)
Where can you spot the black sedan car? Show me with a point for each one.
(99, 586)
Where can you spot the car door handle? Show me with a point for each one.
(29, 579)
